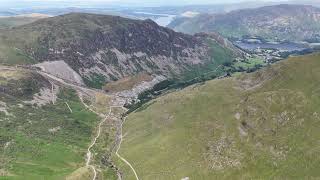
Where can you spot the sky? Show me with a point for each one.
(79, 3)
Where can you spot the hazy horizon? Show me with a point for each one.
(136, 3)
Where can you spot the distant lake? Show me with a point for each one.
(290, 46)
(162, 20)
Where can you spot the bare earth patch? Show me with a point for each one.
(127, 83)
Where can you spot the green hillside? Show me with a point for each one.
(41, 141)
(263, 125)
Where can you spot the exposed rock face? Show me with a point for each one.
(280, 22)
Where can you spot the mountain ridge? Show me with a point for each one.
(278, 22)
(108, 48)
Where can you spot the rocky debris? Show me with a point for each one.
(45, 96)
(7, 144)
(242, 131)
(119, 101)
(3, 108)
(316, 115)
(61, 70)
(279, 153)
(55, 129)
(223, 154)
(129, 96)
(237, 116)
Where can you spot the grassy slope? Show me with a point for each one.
(11, 55)
(33, 151)
(10, 22)
(221, 130)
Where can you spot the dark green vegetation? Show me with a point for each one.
(108, 48)
(280, 22)
(262, 125)
(40, 142)
(96, 81)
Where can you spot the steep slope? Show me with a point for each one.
(280, 22)
(263, 125)
(106, 48)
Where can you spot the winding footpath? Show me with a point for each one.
(105, 117)
(89, 153)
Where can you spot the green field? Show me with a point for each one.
(249, 64)
(262, 125)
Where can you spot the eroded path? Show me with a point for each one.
(89, 153)
(94, 141)
(119, 134)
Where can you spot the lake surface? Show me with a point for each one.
(162, 20)
(279, 46)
